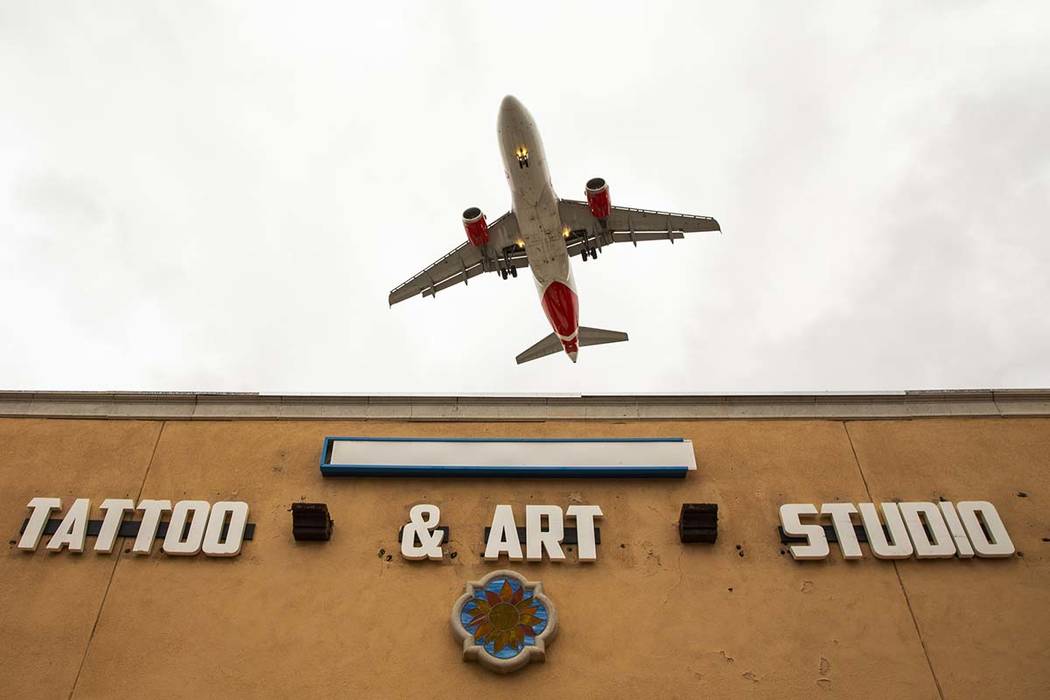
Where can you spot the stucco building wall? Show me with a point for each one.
(652, 617)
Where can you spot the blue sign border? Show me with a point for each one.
(497, 470)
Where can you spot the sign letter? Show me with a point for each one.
(197, 513)
(73, 529)
(585, 545)
(962, 542)
(536, 538)
(880, 547)
(42, 508)
(115, 508)
(1000, 544)
(940, 545)
(503, 536)
(422, 519)
(816, 546)
(231, 547)
(844, 531)
(151, 512)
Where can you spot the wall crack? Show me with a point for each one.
(118, 551)
(896, 570)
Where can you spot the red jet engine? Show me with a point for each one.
(598, 198)
(475, 226)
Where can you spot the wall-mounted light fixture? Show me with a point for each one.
(698, 522)
(311, 522)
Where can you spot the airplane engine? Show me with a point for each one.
(598, 198)
(476, 227)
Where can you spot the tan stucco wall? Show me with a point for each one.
(651, 618)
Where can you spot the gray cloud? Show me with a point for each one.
(220, 196)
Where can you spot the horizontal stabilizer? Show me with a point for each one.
(599, 336)
(587, 336)
(547, 346)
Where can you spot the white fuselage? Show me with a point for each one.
(536, 208)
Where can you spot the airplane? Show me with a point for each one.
(542, 232)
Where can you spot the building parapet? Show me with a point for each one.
(524, 407)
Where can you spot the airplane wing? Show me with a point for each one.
(626, 225)
(467, 261)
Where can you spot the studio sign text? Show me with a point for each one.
(217, 529)
(925, 530)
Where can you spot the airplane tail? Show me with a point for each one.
(587, 336)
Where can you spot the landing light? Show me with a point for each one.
(565, 232)
(521, 243)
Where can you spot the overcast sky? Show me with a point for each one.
(220, 196)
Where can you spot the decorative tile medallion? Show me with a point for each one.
(504, 621)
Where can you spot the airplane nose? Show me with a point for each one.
(509, 102)
(510, 108)
(572, 356)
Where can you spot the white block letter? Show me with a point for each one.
(880, 547)
(536, 538)
(1000, 544)
(586, 546)
(42, 508)
(197, 513)
(151, 512)
(962, 543)
(937, 545)
(114, 509)
(423, 520)
(73, 530)
(816, 546)
(503, 536)
(844, 531)
(214, 546)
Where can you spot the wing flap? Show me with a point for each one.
(635, 236)
(454, 280)
(457, 262)
(464, 262)
(577, 215)
(645, 220)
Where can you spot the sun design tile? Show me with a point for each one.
(504, 621)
